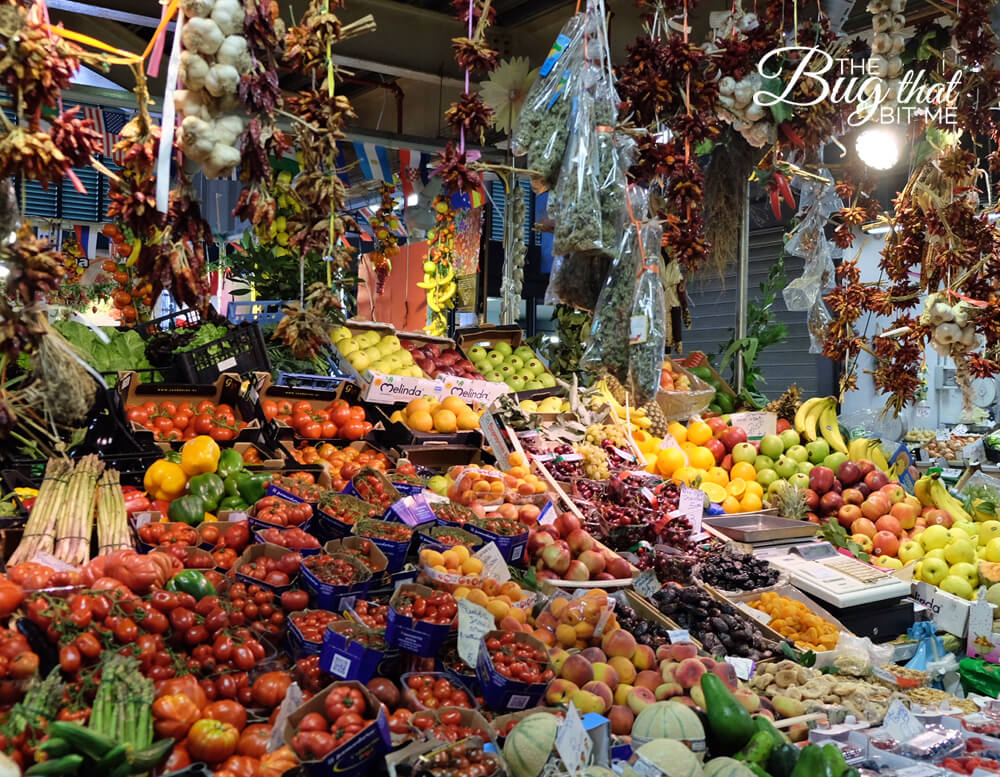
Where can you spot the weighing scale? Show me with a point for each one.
(866, 600)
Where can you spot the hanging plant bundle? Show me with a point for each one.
(385, 224)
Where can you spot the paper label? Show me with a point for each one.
(923, 411)
(638, 330)
(482, 391)
(692, 505)
(572, 742)
(141, 519)
(754, 613)
(494, 566)
(553, 56)
(920, 770)
(495, 439)
(623, 454)
(390, 389)
(942, 435)
(756, 425)
(226, 364)
(974, 452)
(473, 622)
(646, 583)
(646, 768)
(950, 473)
(678, 635)
(743, 666)
(961, 430)
(901, 724)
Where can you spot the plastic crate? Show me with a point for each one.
(261, 311)
(242, 350)
(177, 320)
(298, 380)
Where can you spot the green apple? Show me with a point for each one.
(524, 352)
(993, 594)
(771, 446)
(373, 353)
(889, 562)
(391, 342)
(547, 380)
(526, 375)
(799, 480)
(805, 467)
(534, 365)
(381, 365)
(766, 477)
(776, 488)
(834, 460)
(503, 348)
(936, 537)
(957, 585)
(359, 361)
(818, 450)
(785, 466)
(937, 553)
(761, 462)
(395, 360)
(744, 451)
(988, 530)
(496, 358)
(533, 384)
(516, 362)
(934, 570)
(493, 376)
(516, 382)
(386, 348)
(347, 347)
(992, 549)
(966, 570)
(960, 551)
(910, 550)
(405, 357)
(477, 354)
(798, 453)
(506, 371)
(368, 339)
(789, 437)
(438, 484)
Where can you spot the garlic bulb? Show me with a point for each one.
(882, 43)
(228, 14)
(946, 334)
(193, 70)
(222, 79)
(202, 35)
(199, 8)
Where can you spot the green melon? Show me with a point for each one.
(671, 757)
(669, 720)
(529, 744)
(726, 767)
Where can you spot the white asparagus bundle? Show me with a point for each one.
(40, 530)
(112, 517)
(76, 523)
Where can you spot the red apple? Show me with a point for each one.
(566, 523)
(717, 425)
(848, 473)
(863, 526)
(894, 491)
(733, 436)
(848, 514)
(865, 466)
(890, 524)
(821, 479)
(727, 462)
(875, 506)
(875, 480)
(905, 513)
(717, 448)
(885, 543)
(852, 496)
(593, 561)
(580, 540)
(831, 502)
(812, 499)
(782, 426)
(938, 516)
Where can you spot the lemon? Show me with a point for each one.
(714, 491)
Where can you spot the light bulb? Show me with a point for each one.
(878, 148)
(412, 200)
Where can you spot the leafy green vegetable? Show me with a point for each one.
(207, 333)
(836, 535)
(124, 350)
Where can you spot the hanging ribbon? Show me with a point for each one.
(167, 128)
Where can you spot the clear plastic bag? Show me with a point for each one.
(542, 128)
(608, 345)
(576, 205)
(577, 279)
(648, 325)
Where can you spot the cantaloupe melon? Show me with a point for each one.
(726, 767)
(598, 771)
(530, 744)
(669, 720)
(668, 756)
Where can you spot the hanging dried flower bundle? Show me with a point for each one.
(385, 223)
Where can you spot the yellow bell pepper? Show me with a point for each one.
(164, 480)
(200, 455)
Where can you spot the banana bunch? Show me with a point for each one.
(439, 284)
(932, 493)
(639, 416)
(867, 448)
(817, 417)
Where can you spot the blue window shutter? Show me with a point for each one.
(499, 206)
(106, 188)
(77, 206)
(40, 202)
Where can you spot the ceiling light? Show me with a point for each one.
(412, 199)
(878, 148)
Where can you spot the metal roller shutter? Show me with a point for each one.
(714, 314)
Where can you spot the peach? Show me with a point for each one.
(621, 718)
(546, 620)
(602, 691)
(668, 669)
(546, 637)
(644, 657)
(558, 658)
(618, 643)
(624, 668)
(605, 673)
(689, 672)
(648, 679)
(687, 701)
(681, 650)
(762, 713)
(594, 655)
(668, 691)
(560, 691)
(787, 707)
(663, 653)
(727, 674)
(621, 693)
(585, 701)
(749, 699)
(708, 662)
(797, 732)
(640, 698)
(577, 669)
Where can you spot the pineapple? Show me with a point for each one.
(791, 502)
(786, 405)
(658, 425)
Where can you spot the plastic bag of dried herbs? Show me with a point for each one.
(542, 128)
(608, 346)
(577, 279)
(648, 325)
(576, 204)
(615, 154)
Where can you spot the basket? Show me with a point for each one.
(178, 320)
(261, 311)
(681, 405)
(241, 350)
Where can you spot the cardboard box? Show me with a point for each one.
(362, 753)
(472, 719)
(409, 697)
(298, 645)
(328, 526)
(440, 455)
(504, 693)
(396, 434)
(391, 493)
(347, 659)
(256, 523)
(259, 537)
(513, 549)
(949, 612)
(407, 633)
(269, 459)
(427, 537)
(789, 592)
(255, 552)
(375, 560)
(395, 550)
(327, 596)
(488, 337)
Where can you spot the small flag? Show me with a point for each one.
(114, 123)
(378, 161)
(409, 172)
(383, 159)
(424, 167)
(363, 161)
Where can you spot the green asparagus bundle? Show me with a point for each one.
(112, 517)
(76, 522)
(40, 530)
(122, 708)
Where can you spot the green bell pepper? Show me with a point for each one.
(233, 503)
(193, 582)
(252, 487)
(188, 509)
(229, 462)
(231, 483)
(174, 456)
(210, 487)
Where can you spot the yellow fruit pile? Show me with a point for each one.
(792, 619)
(499, 599)
(571, 623)
(457, 560)
(427, 414)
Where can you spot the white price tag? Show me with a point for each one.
(623, 454)
(226, 364)
(572, 742)
(678, 635)
(141, 519)
(493, 564)
(901, 724)
(756, 425)
(646, 583)
(743, 666)
(692, 505)
(473, 622)
(920, 770)
(494, 437)
(942, 435)
(754, 613)
(923, 411)
(638, 330)
(961, 430)
(974, 452)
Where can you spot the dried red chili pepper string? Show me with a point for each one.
(461, 130)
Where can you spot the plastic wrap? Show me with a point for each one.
(648, 325)
(808, 240)
(577, 279)
(542, 128)
(575, 204)
(608, 345)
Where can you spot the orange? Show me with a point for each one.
(699, 432)
(744, 470)
(687, 447)
(445, 421)
(420, 421)
(737, 487)
(472, 566)
(686, 475)
(755, 488)
(731, 505)
(714, 491)
(717, 475)
(750, 503)
(669, 460)
(701, 458)
(678, 432)
(418, 405)
(454, 404)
